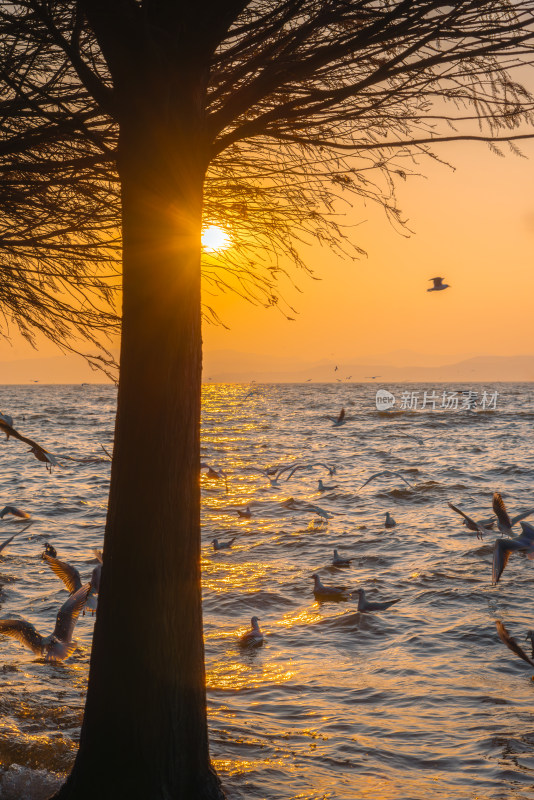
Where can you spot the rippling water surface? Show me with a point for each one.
(419, 701)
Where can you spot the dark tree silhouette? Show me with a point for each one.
(144, 115)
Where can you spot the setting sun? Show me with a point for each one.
(215, 238)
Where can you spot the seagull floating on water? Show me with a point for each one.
(247, 513)
(511, 643)
(366, 605)
(505, 547)
(338, 561)
(16, 512)
(322, 488)
(217, 545)
(389, 522)
(438, 285)
(59, 644)
(253, 637)
(322, 592)
(339, 420)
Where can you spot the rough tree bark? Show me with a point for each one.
(156, 745)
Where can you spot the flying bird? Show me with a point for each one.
(65, 572)
(503, 520)
(505, 547)
(6, 425)
(386, 472)
(338, 561)
(217, 545)
(511, 643)
(438, 285)
(339, 420)
(58, 645)
(253, 637)
(366, 605)
(478, 527)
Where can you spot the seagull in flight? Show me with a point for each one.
(478, 527)
(511, 643)
(8, 541)
(505, 547)
(366, 605)
(339, 420)
(388, 473)
(72, 580)
(503, 520)
(6, 425)
(438, 285)
(330, 468)
(372, 377)
(59, 644)
(253, 637)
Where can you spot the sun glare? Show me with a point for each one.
(215, 239)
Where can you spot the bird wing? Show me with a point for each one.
(15, 511)
(471, 523)
(524, 515)
(24, 632)
(65, 572)
(341, 415)
(527, 534)
(98, 554)
(500, 510)
(7, 541)
(501, 553)
(511, 643)
(69, 612)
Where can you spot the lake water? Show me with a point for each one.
(420, 700)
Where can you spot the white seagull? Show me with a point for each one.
(217, 545)
(511, 643)
(366, 605)
(388, 473)
(253, 637)
(338, 561)
(504, 522)
(505, 547)
(438, 285)
(59, 644)
(339, 420)
(322, 592)
(321, 487)
(478, 527)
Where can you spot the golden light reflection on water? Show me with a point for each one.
(239, 675)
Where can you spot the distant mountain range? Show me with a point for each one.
(226, 366)
(231, 366)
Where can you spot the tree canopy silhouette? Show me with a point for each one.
(125, 124)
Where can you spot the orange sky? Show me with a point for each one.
(474, 226)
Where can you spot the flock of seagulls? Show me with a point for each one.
(59, 644)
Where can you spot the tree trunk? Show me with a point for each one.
(144, 734)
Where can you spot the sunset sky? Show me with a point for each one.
(473, 225)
